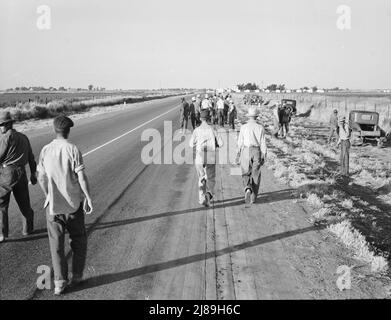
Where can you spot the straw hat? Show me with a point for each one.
(252, 112)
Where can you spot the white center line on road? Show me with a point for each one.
(126, 133)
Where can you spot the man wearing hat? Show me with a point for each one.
(344, 141)
(62, 178)
(206, 104)
(333, 125)
(253, 150)
(185, 113)
(205, 140)
(232, 114)
(15, 153)
(220, 111)
(193, 112)
(197, 105)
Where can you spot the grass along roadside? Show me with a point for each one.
(355, 213)
(33, 110)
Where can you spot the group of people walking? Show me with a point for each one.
(61, 176)
(252, 151)
(221, 107)
(61, 173)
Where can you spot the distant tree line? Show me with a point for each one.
(248, 86)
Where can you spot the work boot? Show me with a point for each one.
(208, 198)
(247, 196)
(253, 198)
(60, 286)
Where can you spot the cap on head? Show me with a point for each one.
(335, 111)
(204, 114)
(342, 119)
(193, 99)
(5, 117)
(62, 123)
(206, 96)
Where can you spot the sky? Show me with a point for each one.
(129, 44)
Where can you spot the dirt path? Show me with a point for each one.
(275, 252)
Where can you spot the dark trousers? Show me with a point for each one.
(333, 130)
(221, 117)
(250, 163)
(198, 118)
(14, 179)
(74, 224)
(232, 120)
(193, 120)
(284, 127)
(185, 120)
(345, 146)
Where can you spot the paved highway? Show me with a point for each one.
(150, 239)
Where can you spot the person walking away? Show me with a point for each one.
(220, 111)
(232, 114)
(226, 108)
(185, 113)
(285, 120)
(192, 110)
(61, 175)
(198, 109)
(213, 110)
(276, 119)
(205, 140)
(344, 141)
(15, 154)
(334, 128)
(252, 149)
(205, 104)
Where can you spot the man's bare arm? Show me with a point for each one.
(83, 181)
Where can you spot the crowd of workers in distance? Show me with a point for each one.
(252, 99)
(221, 108)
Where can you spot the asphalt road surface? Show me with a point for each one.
(150, 239)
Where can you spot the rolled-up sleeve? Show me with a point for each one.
(41, 167)
(78, 161)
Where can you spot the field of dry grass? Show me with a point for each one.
(322, 105)
(31, 108)
(358, 213)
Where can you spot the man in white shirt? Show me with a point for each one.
(205, 139)
(253, 150)
(220, 111)
(63, 181)
(344, 141)
(206, 104)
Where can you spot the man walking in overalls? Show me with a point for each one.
(253, 150)
(15, 153)
(206, 141)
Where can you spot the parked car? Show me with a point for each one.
(365, 127)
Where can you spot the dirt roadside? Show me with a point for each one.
(277, 250)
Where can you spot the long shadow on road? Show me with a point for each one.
(128, 274)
